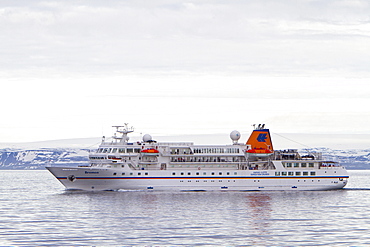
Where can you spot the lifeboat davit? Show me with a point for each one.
(259, 152)
(150, 151)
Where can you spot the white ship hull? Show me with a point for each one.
(151, 165)
(95, 179)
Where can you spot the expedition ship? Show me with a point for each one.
(183, 166)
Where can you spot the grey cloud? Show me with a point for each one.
(253, 37)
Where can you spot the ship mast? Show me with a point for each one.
(123, 130)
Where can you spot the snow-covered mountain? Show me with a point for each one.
(352, 158)
(39, 158)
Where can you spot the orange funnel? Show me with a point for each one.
(260, 139)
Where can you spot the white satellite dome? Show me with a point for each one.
(147, 138)
(235, 135)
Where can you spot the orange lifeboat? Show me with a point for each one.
(150, 151)
(114, 158)
(259, 152)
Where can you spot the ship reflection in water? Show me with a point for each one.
(259, 209)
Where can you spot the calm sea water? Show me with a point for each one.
(37, 211)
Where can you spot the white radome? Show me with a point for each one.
(235, 135)
(147, 138)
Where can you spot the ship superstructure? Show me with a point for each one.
(150, 165)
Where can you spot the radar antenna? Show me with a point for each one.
(123, 130)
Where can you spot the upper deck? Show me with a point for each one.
(150, 154)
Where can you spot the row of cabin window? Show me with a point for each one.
(118, 150)
(181, 173)
(299, 165)
(207, 159)
(131, 173)
(204, 150)
(216, 150)
(196, 166)
(296, 173)
(203, 173)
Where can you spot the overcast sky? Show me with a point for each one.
(72, 69)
